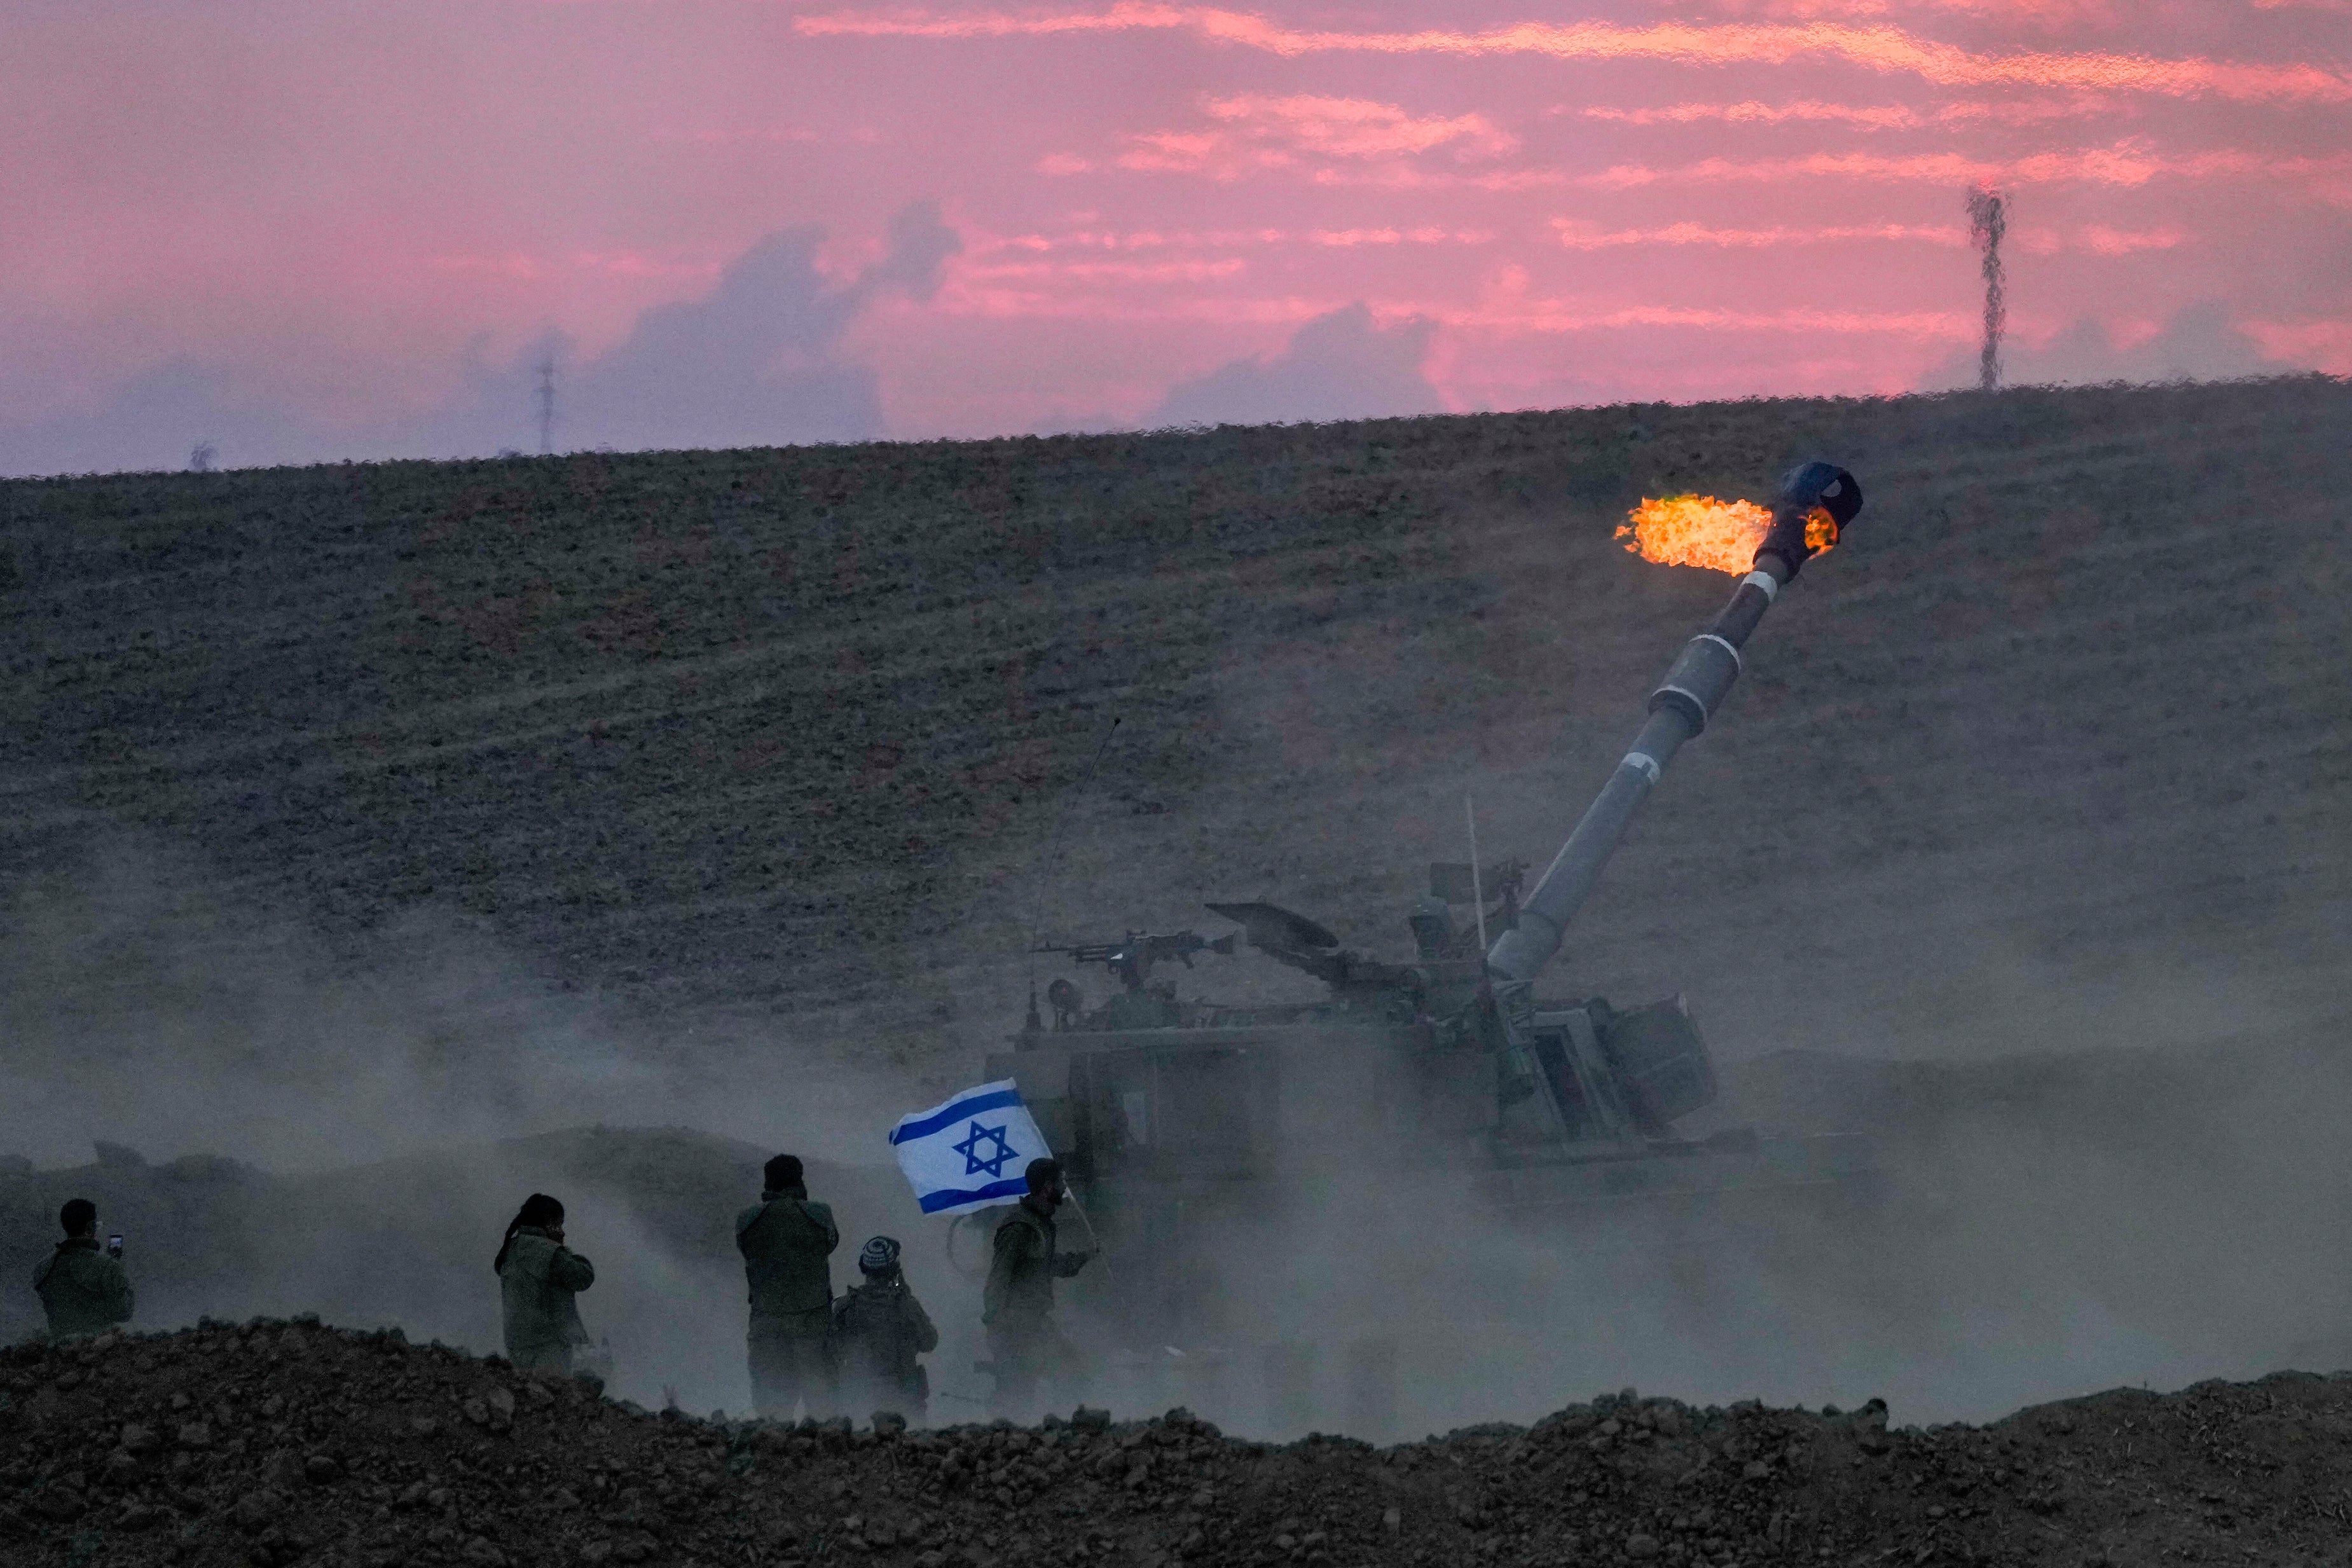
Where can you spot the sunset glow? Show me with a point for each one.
(299, 234)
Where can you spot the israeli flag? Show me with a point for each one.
(970, 1152)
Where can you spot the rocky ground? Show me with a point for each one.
(274, 1443)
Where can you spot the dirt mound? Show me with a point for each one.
(274, 1443)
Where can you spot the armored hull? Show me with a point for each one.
(1200, 1153)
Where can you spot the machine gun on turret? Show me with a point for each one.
(1131, 956)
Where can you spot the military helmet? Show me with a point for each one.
(1432, 926)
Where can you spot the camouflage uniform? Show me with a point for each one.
(1017, 1309)
(539, 1285)
(83, 1289)
(786, 1242)
(879, 1329)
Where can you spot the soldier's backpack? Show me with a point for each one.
(869, 1330)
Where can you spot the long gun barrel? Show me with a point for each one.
(1817, 500)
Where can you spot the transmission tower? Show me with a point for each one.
(1987, 221)
(547, 404)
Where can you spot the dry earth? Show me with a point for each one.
(279, 1443)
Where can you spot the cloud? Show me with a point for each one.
(756, 361)
(1107, 239)
(1255, 132)
(1341, 365)
(1113, 241)
(2099, 240)
(921, 244)
(1882, 49)
(2200, 342)
(750, 363)
(1864, 116)
(1360, 128)
(2096, 239)
(1428, 234)
(2045, 13)
(156, 421)
(1116, 271)
(1508, 317)
(1516, 316)
(2128, 163)
(1574, 235)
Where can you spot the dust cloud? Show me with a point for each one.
(285, 1123)
(149, 1004)
(2042, 1226)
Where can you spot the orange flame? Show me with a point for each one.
(1697, 530)
(1718, 535)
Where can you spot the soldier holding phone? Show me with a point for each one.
(83, 1289)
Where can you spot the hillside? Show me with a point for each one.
(2050, 752)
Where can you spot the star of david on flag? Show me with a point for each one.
(970, 1152)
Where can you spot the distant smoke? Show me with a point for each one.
(2200, 342)
(758, 362)
(920, 246)
(1988, 222)
(1343, 365)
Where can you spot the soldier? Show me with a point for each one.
(787, 1243)
(1018, 1307)
(539, 1281)
(878, 1329)
(82, 1289)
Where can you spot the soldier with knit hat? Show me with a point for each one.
(878, 1329)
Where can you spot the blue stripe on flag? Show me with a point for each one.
(947, 1116)
(934, 1201)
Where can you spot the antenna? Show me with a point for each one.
(1477, 883)
(1053, 856)
(547, 403)
(1988, 222)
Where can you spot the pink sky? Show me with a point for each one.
(322, 213)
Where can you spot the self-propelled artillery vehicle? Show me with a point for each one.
(1174, 1117)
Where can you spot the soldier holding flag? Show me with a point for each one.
(1017, 1309)
(963, 1155)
